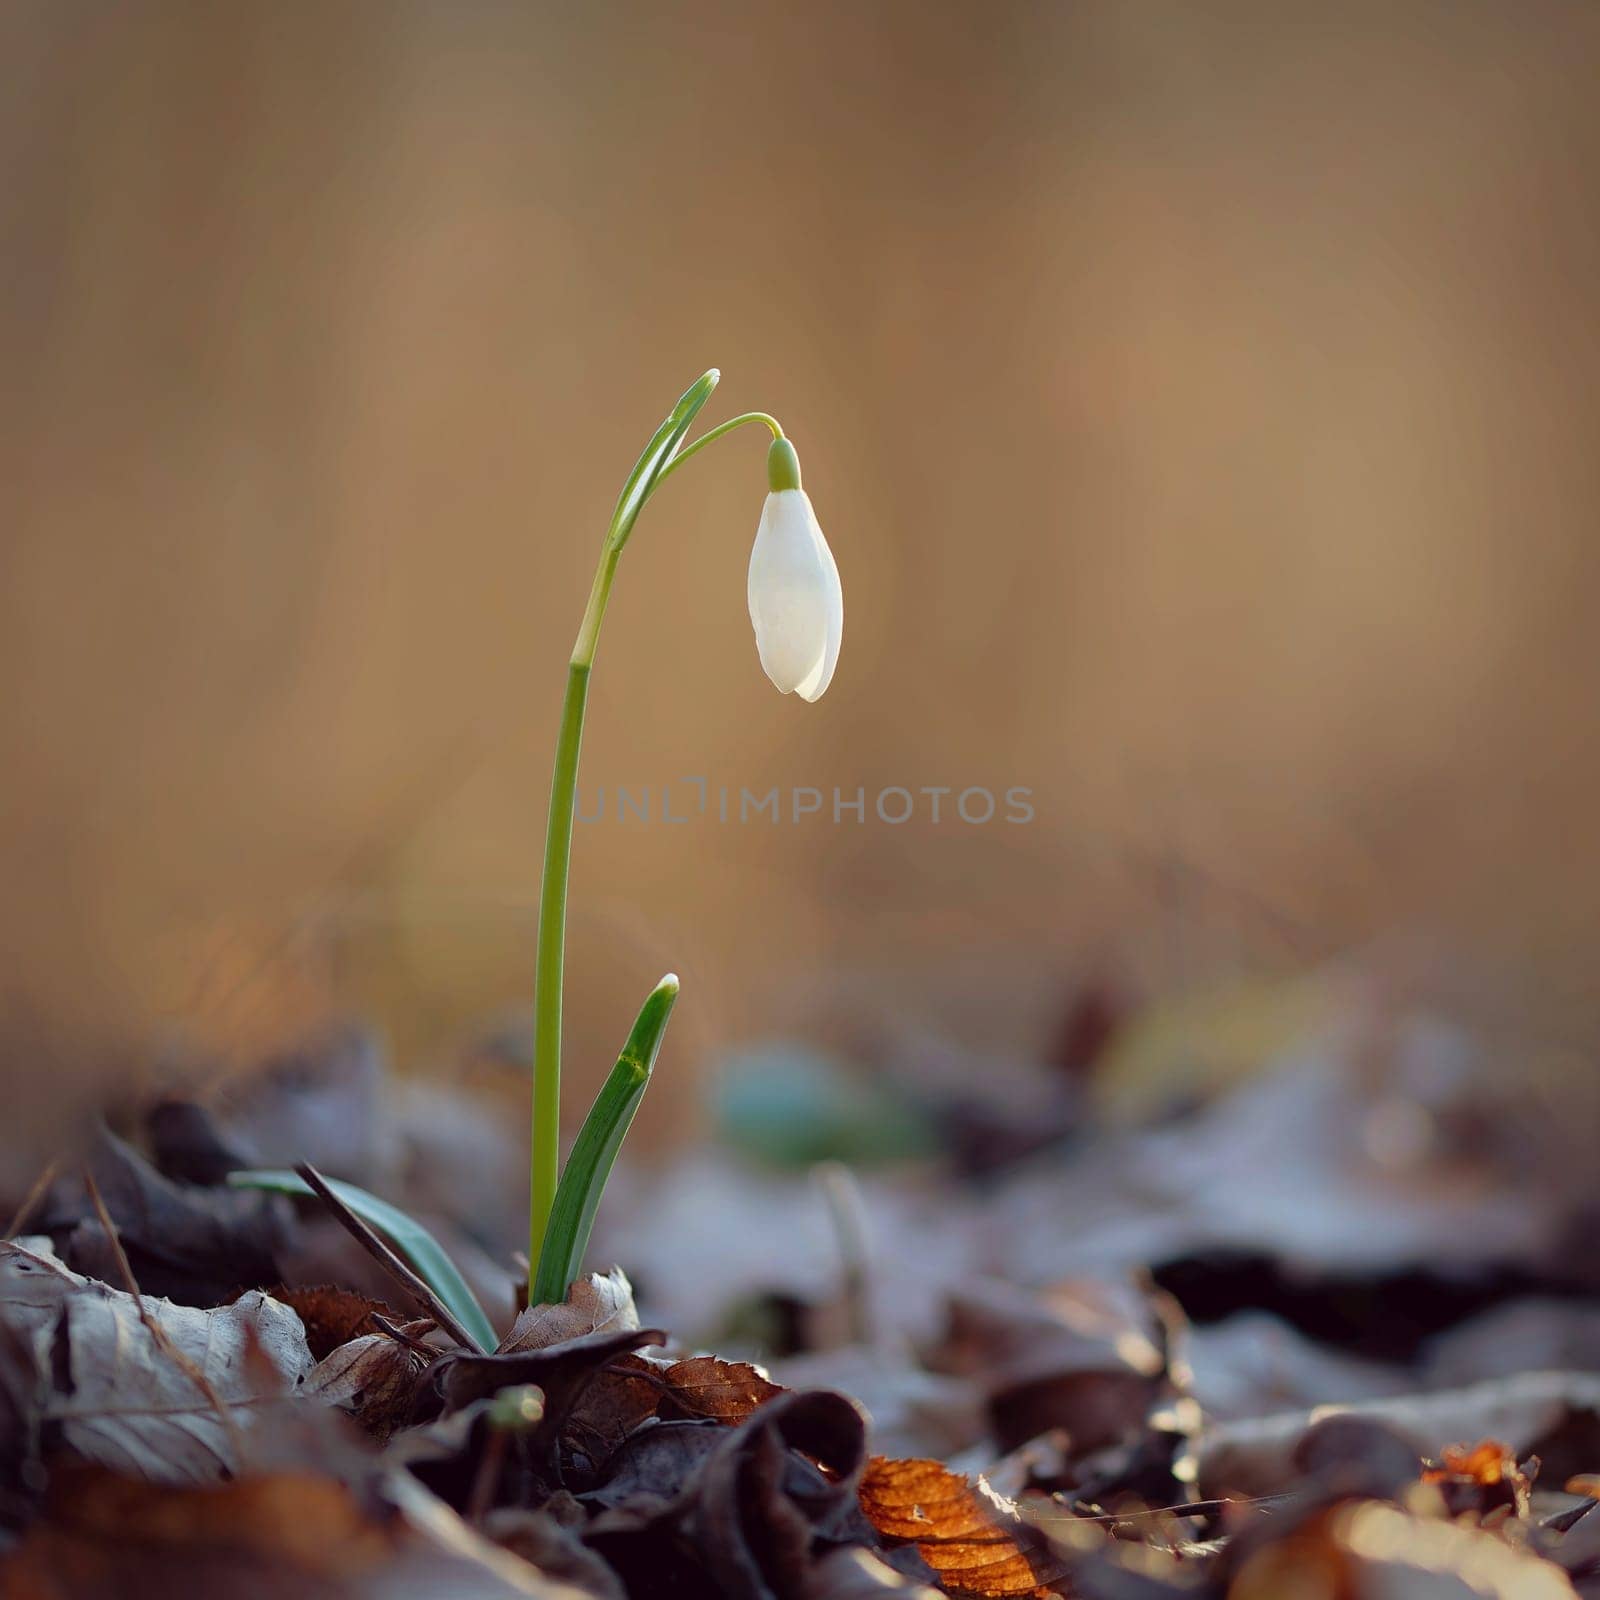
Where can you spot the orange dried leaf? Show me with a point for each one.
(976, 1540)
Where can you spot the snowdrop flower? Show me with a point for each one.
(796, 602)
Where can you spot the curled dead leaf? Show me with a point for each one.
(745, 1513)
(374, 1378)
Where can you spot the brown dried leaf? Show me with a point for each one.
(196, 1246)
(743, 1513)
(374, 1378)
(726, 1391)
(557, 1369)
(633, 1390)
(141, 1395)
(600, 1303)
(332, 1316)
(784, 1478)
(260, 1538)
(651, 1468)
(107, 1535)
(975, 1539)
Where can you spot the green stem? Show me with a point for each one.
(711, 437)
(662, 456)
(546, 1158)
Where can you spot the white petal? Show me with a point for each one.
(815, 686)
(796, 603)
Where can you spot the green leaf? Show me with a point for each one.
(660, 450)
(578, 1194)
(408, 1236)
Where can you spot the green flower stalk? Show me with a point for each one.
(797, 610)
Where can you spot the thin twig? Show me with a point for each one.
(400, 1336)
(386, 1258)
(159, 1335)
(31, 1200)
(1194, 1508)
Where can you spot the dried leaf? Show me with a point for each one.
(260, 1538)
(332, 1316)
(374, 1378)
(599, 1303)
(186, 1143)
(557, 1369)
(726, 1391)
(108, 1535)
(195, 1246)
(651, 1468)
(633, 1390)
(140, 1395)
(742, 1513)
(784, 1478)
(975, 1539)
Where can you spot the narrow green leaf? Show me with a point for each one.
(578, 1195)
(657, 454)
(409, 1237)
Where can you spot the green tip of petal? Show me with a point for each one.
(783, 466)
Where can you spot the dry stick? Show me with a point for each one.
(399, 1335)
(386, 1258)
(159, 1335)
(31, 1199)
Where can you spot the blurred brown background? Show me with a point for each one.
(1200, 400)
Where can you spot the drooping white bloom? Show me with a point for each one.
(796, 602)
